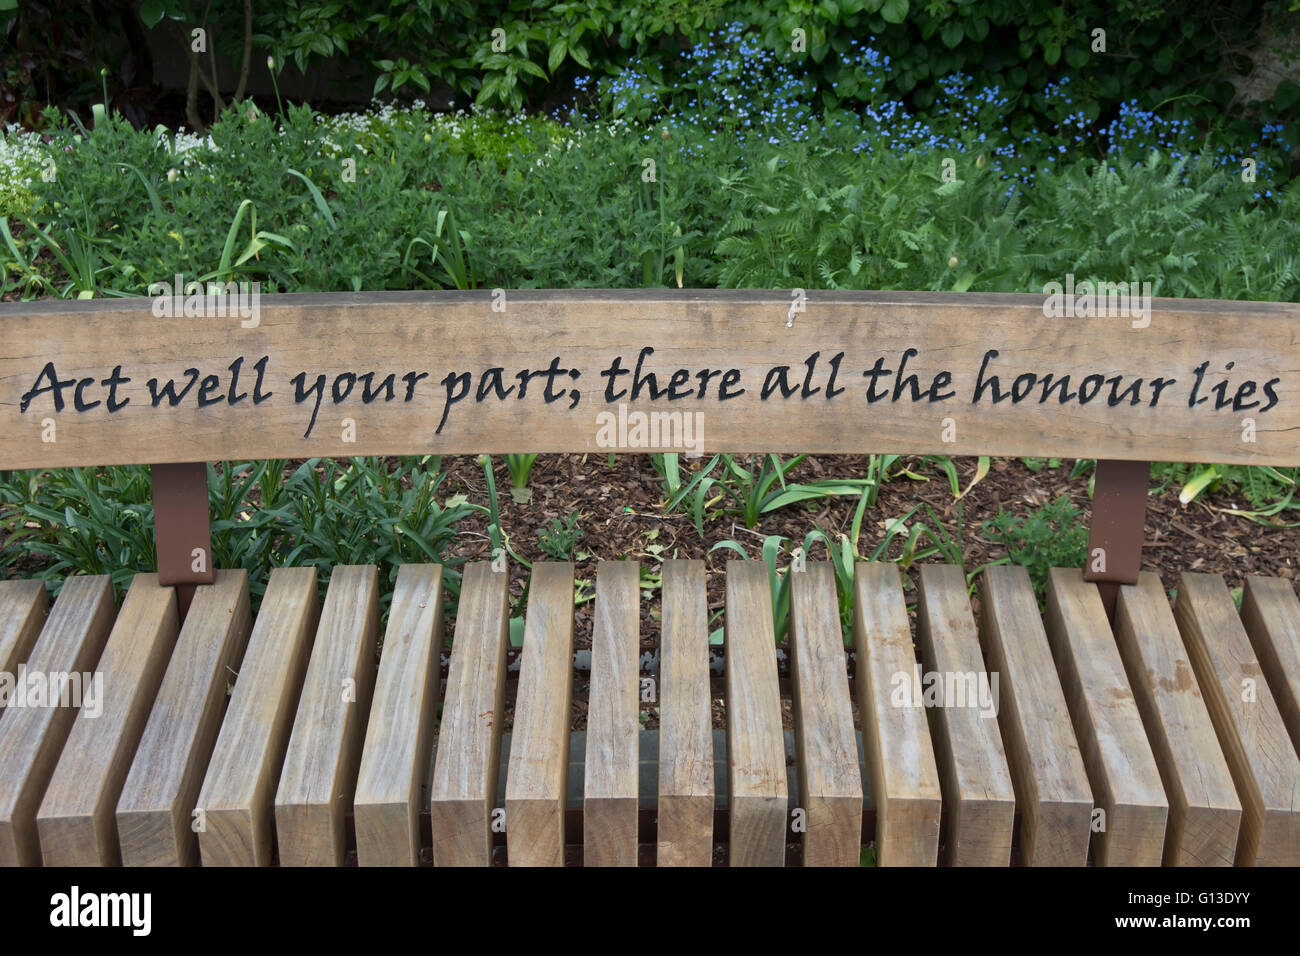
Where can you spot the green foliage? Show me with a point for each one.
(326, 513)
(1052, 535)
(434, 205)
(755, 490)
(559, 538)
(500, 137)
(1269, 493)
(822, 217)
(520, 467)
(1153, 50)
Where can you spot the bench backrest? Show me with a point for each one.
(129, 381)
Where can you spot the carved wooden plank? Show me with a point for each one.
(76, 821)
(756, 781)
(239, 787)
(155, 813)
(1271, 613)
(609, 817)
(395, 759)
(1121, 766)
(1047, 769)
(717, 347)
(31, 736)
(830, 781)
(22, 612)
(979, 799)
(320, 766)
(539, 744)
(902, 774)
(465, 772)
(1259, 753)
(1204, 812)
(686, 785)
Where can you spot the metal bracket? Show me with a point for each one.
(1119, 509)
(183, 528)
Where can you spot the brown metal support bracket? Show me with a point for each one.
(1119, 510)
(182, 525)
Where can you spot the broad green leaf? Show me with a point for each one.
(559, 50)
(894, 11)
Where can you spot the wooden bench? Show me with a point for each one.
(1114, 728)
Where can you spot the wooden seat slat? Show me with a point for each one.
(611, 766)
(830, 779)
(903, 776)
(1204, 812)
(239, 787)
(1169, 721)
(23, 606)
(1271, 613)
(76, 822)
(978, 797)
(537, 773)
(465, 773)
(395, 757)
(155, 813)
(1255, 743)
(1121, 767)
(319, 776)
(1051, 784)
(686, 781)
(756, 776)
(31, 737)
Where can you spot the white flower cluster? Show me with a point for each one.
(22, 154)
(21, 161)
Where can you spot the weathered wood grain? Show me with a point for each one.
(1271, 613)
(756, 781)
(239, 787)
(1204, 812)
(31, 737)
(610, 767)
(319, 777)
(155, 812)
(539, 745)
(464, 790)
(22, 612)
(830, 780)
(1051, 784)
(686, 784)
(699, 335)
(901, 769)
(76, 821)
(1263, 762)
(1121, 767)
(395, 759)
(979, 799)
